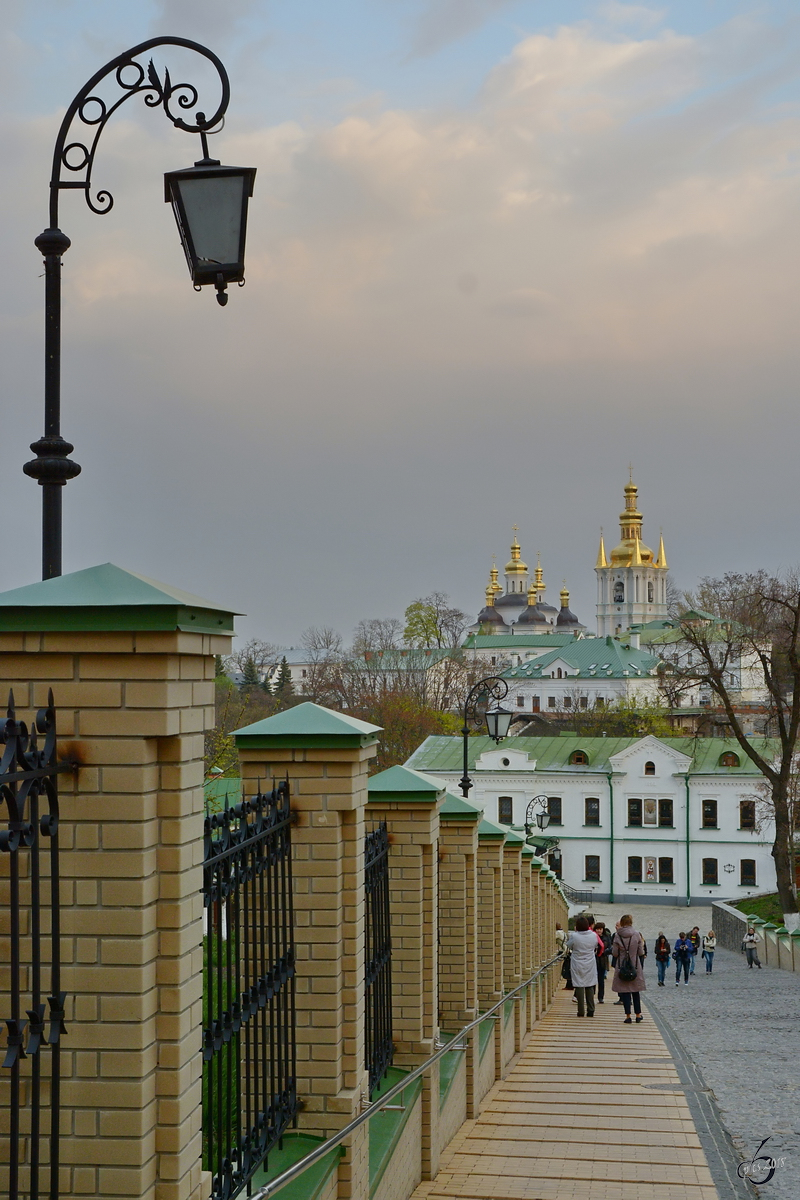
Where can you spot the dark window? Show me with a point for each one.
(634, 812)
(665, 873)
(600, 702)
(591, 812)
(665, 813)
(747, 814)
(649, 768)
(649, 593)
(584, 701)
(554, 809)
(504, 810)
(710, 871)
(568, 702)
(619, 593)
(520, 701)
(634, 870)
(747, 877)
(305, 673)
(579, 758)
(592, 868)
(709, 814)
(551, 701)
(729, 759)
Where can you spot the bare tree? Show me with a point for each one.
(377, 633)
(264, 656)
(740, 625)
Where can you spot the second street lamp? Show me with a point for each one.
(496, 719)
(210, 203)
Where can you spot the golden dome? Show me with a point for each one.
(489, 595)
(496, 585)
(515, 565)
(631, 551)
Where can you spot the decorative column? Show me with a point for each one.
(458, 906)
(131, 665)
(409, 803)
(326, 757)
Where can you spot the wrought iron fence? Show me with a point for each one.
(249, 1063)
(28, 785)
(378, 956)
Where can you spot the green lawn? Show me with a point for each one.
(768, 908)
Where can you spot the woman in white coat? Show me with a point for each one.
(583, 944)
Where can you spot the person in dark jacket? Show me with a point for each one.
(662, 953)
(694, 938)
(602, 959)
(682, 953)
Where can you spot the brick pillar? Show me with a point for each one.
(326, 756)
(134, 693)
(409, 803)
(541, 940)
(491, 934)
(512, 926)
(458, 906)
(528, 963)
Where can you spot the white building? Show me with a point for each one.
(632, 582)
(637, 820)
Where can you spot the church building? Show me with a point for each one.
(632, 583)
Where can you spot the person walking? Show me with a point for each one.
(561, 937)
(662, 953)
(709, 946)
(602, 959)
(627, 955)
(750, 946)
(682, 954)
(694, 938)
(582, 945)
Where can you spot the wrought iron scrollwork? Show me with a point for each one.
(88, 114)
(480, 697)
(28, 787)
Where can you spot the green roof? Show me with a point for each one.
(456, 806)
(516, 641)
(593, 658)
(109, 598)
(490, 829)
(553, 753)
(404, 783)
(306, 726)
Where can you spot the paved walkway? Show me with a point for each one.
(593, 1110)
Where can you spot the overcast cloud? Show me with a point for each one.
(458, 316)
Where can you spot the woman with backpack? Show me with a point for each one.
(627, 953)
(682, 953)
(662, 953)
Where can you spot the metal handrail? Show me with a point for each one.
(320, 1151)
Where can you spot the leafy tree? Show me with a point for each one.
(734, 626)
(633, 716)
(433, 621)
(234, 709)
(405, 723)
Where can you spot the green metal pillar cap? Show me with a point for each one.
(456, 808)
(402, 783)
(306, 727)
(109, 599)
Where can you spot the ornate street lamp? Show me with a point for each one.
(476, 712)
(542, 817)
(210, 203)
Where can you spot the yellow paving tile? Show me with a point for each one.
(575, 1120)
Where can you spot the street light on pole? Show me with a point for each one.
(210, 204)
(542, 817)
(476, 711)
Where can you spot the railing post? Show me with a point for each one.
(409, 803)
(326, 758)
(458, 904)
(134, 691)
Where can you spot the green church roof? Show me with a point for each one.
(592, 658)
(105, 598)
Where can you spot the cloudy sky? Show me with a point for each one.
(498, 249)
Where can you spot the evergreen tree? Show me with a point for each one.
(249, 675)
(283, 684)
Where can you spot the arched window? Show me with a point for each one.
(649, 768)
(619, 592)
(649, 593)
(729, 759)
(579, 758)
(559, 672)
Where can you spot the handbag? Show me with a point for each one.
(627, 971)
(566, 968)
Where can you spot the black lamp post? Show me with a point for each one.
(210, 203)
(542, 817)
(496, 719)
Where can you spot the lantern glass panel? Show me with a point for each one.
(213, 207)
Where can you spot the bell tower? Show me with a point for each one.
(632, 583)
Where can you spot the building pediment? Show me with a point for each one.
(505, 760)
(650, 750)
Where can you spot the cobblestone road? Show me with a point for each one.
(742, 1030)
